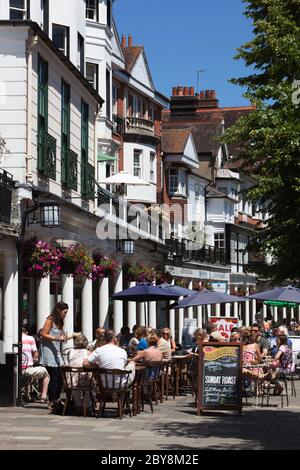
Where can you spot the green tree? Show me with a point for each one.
(271, 133)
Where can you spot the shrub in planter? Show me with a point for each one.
(41, 259)
(77, 260)
(104, 266)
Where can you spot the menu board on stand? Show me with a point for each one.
(220, 377)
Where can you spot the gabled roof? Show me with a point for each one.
(117, 50)
(174, 140)
(135, 56)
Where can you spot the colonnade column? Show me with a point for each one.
(284, 313)
(265, 311)
(104, 303)
(218, 310)
(180, 322)
(131, 311)
(200, 316)
(253, 311)
(227, 310)
(191, 309)
(8, 302)
(118, 304)
(276, 314)
(87, 309)
(68, 298)
(43, 301)
(236, 310)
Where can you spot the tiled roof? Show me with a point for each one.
(174, 140)
(131, 55)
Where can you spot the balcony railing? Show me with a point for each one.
(181, 250)
(136, 125)
(46, 155)
(118, 124)
(88, 182)
(6, 186)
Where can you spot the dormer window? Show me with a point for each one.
(177, 182)
(18, 9)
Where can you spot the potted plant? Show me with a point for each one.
(77, 261)
(140, 272)
(41, 259)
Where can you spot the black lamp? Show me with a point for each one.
(128, 247)
(49, 214)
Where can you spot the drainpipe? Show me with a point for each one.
(31, 42)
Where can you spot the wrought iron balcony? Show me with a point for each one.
(88, 181)
(118, 124)
(6, 187)
(136, 125)
(46, 154)
(182, 250)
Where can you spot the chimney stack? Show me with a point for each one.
(174, 91)
(123, 41)
(129, 40)
(180, 91)
(186, 91)
(192, 91)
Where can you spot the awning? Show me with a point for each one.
(102, 157)
(274, 303)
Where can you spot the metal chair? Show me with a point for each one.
(113, 386)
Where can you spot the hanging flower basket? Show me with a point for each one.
(41, 259)
(140, 273)
(103, 266)
(77, 261)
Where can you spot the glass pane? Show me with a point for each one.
(17, 15)
(17, 4)
(58, 38)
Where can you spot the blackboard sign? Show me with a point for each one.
(220, 377)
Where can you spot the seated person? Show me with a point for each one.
(283, 360)
(252, 356)
(199, 337)
(166, 334)
(110, 356)
(37, 373)
(99, 341)
(79, 353)
(152, 353)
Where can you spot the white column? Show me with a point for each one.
(118, 304)
(180, 324)
(8, 302)
(87, 309)
(200, 316)
(228, 310)
(247, 313)
(68, 298)
(208, 312)
(191, 309)
(265, 311)
(152, 314)
(104, 303)
(218, 310)
(131, 311)
(16, 299)
(236, 309)
(292, 312)
(298, 319)
(172, 320)
(253, 311)
(276, 314)
(284, 313)
(140, 314)
(43, 301)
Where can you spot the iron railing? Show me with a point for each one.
(139, 125)
(88, 182)
(6, 187)
(182, 250)
(118, 124)
(46, 154)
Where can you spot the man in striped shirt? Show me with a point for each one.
(29, 358)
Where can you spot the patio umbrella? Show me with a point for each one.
(280, 294)
(207, 297)
(145, 292)
(180, 291)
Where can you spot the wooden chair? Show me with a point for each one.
(113, 386)
(151, 383)
(77, 380)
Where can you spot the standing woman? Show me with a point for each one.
(51, 349)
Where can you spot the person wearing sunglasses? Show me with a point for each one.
(167, 336)
(262, 343)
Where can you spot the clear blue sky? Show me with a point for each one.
(181, 37)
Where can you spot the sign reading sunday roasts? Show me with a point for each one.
(220, 377)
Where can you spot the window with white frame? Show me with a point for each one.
(91, 72)
(174, 180)
(151, 113)
(115, 98)
(91, 10)
(152, 167)
(219, 240)
(60, 37)
(137, 163)
(18, 9)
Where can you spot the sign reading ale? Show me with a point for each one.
(220, 377)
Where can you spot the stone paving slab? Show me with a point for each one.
(174, 425)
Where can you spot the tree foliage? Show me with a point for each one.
(271, 133)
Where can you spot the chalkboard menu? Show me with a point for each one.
(220, 377)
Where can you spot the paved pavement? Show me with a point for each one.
(174, 425)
